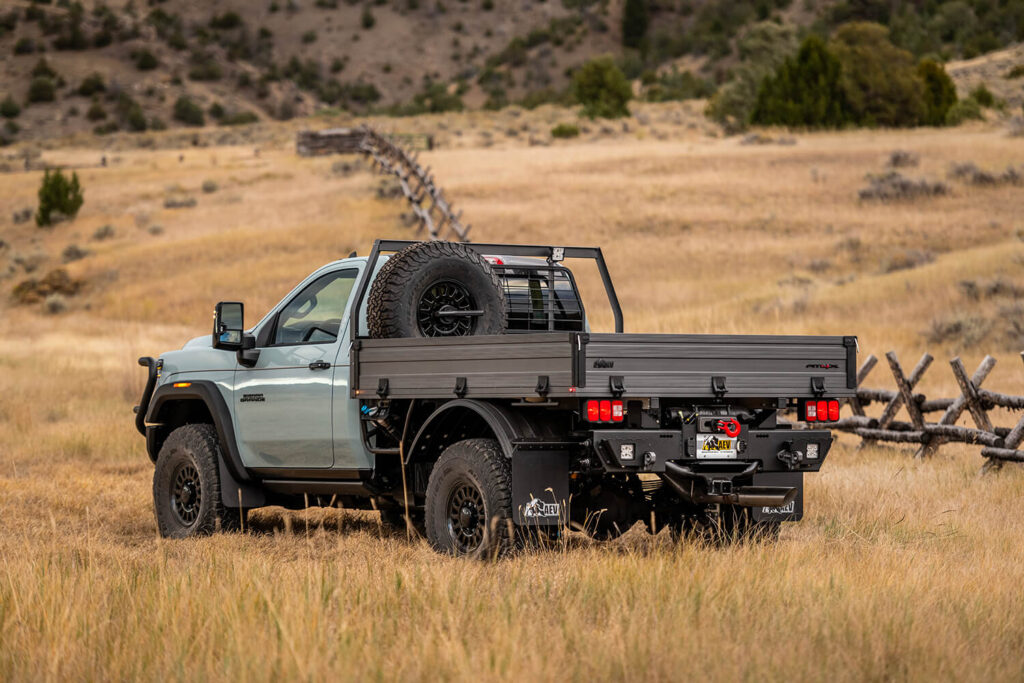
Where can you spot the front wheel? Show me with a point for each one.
(469, 500)
(186, 485)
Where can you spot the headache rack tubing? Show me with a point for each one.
(545, 252)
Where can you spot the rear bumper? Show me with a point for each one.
(768, 450)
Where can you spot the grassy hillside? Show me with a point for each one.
(901, 570)
(125, 65)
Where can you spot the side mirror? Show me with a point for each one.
(228, 325)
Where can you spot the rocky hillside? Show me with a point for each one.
(131, 65)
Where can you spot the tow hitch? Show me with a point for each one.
(710, 488)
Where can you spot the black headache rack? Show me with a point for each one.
(537, 298)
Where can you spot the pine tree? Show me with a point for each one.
(635, 20)
(805, 91)
(939, 91)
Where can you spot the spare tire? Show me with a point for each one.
(436, 289)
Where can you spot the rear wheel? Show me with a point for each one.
(469, 500)
(186, 485)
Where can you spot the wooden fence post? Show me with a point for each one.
(954, 411)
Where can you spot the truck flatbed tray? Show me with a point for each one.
(572, 364)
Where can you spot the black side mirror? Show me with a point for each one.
(228, 325)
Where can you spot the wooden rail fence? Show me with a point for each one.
(1000, 444)
(434, 213)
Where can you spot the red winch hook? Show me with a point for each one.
(730, 427)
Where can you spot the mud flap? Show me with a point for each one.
(232, 491)
(789, 513)
(540, 487)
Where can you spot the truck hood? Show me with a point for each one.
(198, 342)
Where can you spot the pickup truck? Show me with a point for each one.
(476, 437)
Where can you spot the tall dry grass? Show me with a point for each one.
(901, 570)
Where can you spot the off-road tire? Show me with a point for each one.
(471, 465)
(190, 455)
(394, 305)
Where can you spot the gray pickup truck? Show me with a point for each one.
(457, 388)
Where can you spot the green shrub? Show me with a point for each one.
(308, 37)
(239, 119)
(106, 128)
(204, 67)
(565, 130)
(602, 89)
(188, 112)
(761, 49)
(91, 85)
(367, 19)
(675, 85)
(226, 21)
(9, 109)
(145, 60)
(24, 46)
(96, 112)
(939, 91)
(1016, 72)
(983, 96)
(42, 69)
(42, 89)
(217, 111)
(964, 110)
(58, 194)
(805, 91)
(133, 117)
(880, 80)
(536, 98)
(635, 20)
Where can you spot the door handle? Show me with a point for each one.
(319, 365)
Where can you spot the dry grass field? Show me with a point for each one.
(900, 570)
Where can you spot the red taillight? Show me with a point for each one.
(822, 411)
(833, 411)
(605, 411)
(811, 411)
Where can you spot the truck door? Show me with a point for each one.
(283, 405)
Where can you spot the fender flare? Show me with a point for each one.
(506, 425)
(234, 475)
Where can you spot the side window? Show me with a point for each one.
(316, 313)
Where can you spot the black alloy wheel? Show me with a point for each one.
(466, 518)
(186, 494)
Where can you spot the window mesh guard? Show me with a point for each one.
(530, 305)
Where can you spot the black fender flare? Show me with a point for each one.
(507, 425)
(236, 482)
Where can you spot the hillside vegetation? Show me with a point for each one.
(901, 570)
(107, 66)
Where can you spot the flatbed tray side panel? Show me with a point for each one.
(499, 366)
(754, 366)
(649, 365)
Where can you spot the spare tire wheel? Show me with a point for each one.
(436, 289)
